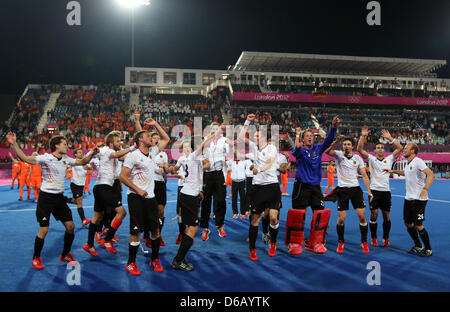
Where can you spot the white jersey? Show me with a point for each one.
(348, 169)
(118, 169)
(379, 181)
(237, 168)
(79, 175)
(217, 153)
(54, 172)
(248, 172)
(193, 181)
(142, 172)
(281, 159)
(107, 166)
(160, 158)
(182, 161)
(415, 178)
(95, 163)
(270, 175)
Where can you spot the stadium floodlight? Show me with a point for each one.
(133, 3)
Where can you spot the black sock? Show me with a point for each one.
(99, 227)
(340, 232)
(38, 245)
(425, 238)
(274, 232)
(132, 251)
(181, 228)
(253, 234)
(146, 234)
(386, 228)
(161, 223)
(110, 234)
(186, 243)
(373, 228)
(413, 233)
(91, 233)
(81, 213)
(364, 229)
(265, 224)
(68, 240)
(155, 247)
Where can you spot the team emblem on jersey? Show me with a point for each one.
(161, 156)
(64, 162)
(410, 168)
(264, 154)
(150, 156)
(354, 162)
(385, 161)
(314, 154)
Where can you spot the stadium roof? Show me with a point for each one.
(335, 64)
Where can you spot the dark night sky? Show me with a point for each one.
(37, 46)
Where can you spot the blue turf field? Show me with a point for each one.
(222, 264)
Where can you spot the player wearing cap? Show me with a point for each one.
(348, 165)
(379, 182)
(415, 172)
(51, 198)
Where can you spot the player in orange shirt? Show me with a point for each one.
(331, 171)
(24, 179)
(15, 171)
(88, 180)
(35, 178)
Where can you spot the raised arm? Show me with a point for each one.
(244, 129)
(399, 172)
(330, 137)
(15, 161)
(137, 117)
(398, 147)
(206, 142)
(87, 158)
(11, 138)
(330, 150)
(362, 139)
(164, 138)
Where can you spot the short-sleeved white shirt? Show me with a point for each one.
(379, 181)
(79, 175)
(142, 172)
(181, 165)
(415, 179)
(260, 158)
(160, 158)
(54, 172)
(107, 166)
(348, 169)
(193, 181)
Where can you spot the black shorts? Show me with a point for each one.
(77, 190)
(190, 207)
(106, 200)
(414, 211)
(304, 195)
(353, 194)
(54, 204)
(160, 193)
(143, 214)
(265, 196)
(381, 200)
(117, 188)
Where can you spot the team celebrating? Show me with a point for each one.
(258, 170)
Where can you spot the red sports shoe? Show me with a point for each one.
(162, 242)
(67, 258)
(221, 231)
(205, 234)
(115, 240)
(340, 248)
(235, 216)
(365, 247)
(246, 213)
(386, 242)
(374, 242)
(156, 265)
(98, 237)
(148, 242)
(108, 246)
(253, 255)
(103, 234)
(179, 238)
(85, 222)
(90, 250)
(319, 248)
(132, 269)
(272, 249)
(295, 249)
(242, 217)
(37, 264)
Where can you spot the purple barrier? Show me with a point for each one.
(435, 157)
(347, 99)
